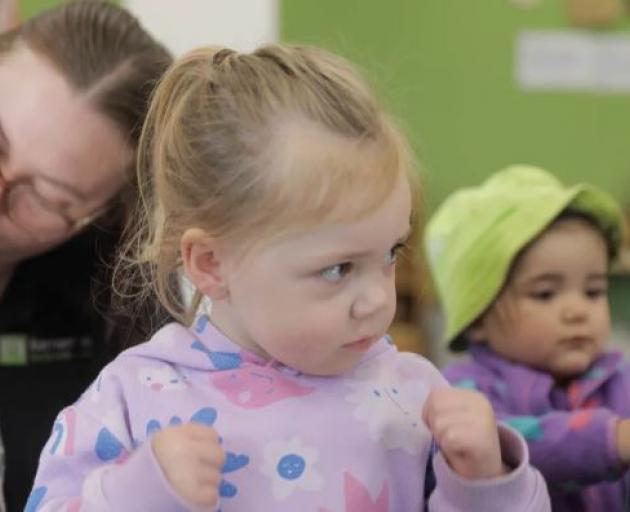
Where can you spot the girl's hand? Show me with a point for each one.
(191, 458)
(463, 425)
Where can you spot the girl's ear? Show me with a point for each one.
(476, 333)
(202, 263)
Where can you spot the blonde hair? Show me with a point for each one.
(219, 151)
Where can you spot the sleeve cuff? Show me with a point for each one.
(139, 484)
(523, 489)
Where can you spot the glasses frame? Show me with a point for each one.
(71, 223)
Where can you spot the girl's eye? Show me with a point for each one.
(390, 258)
(542, 295)
(336, 273)
(595, 293)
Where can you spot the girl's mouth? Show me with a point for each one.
(360, 345)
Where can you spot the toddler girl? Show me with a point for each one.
(284, 192)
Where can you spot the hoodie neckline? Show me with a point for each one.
(213, 341)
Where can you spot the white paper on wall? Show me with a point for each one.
(184, 24)
(572, 61)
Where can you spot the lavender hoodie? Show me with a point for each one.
(294, 442)
(570, 430)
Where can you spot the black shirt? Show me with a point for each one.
(52, 325)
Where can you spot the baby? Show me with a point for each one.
(521, 266)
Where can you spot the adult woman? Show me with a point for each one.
(74, 86)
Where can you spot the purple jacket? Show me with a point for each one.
(353, 443)
(570, 431)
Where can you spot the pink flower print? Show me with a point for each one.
(358, 498)
(162, 378)
(64, 433)
(74, 505)
(580, 419)
(253, 387)
(592, 403)
(574, 393)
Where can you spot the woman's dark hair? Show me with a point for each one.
(105, 54)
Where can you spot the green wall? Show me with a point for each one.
(29, 8)
(619, 297)
(445, 67)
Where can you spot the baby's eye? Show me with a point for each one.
(595, 293)
(336, 273)
(542, 295)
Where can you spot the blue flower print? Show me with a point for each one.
(292, 466)
(154, 425)
(108, 447)
(528, 426)
(233, 462)
(206, 416)
(220, 360)
(34, 500)
(465, 384)
(201, 324)
(595, 373)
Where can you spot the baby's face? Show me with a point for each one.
(553, 314)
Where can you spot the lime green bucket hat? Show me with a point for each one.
(474, 236)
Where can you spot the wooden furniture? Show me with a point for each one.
(406, 329)
(595, 13)
(623, 265)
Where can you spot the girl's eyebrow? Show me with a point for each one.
(349, 255)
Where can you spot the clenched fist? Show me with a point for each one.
(464, 427)
(191, 458)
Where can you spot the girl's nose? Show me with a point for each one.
(371, 300)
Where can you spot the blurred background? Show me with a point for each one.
(476, 85)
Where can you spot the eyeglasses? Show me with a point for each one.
(25, 204)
